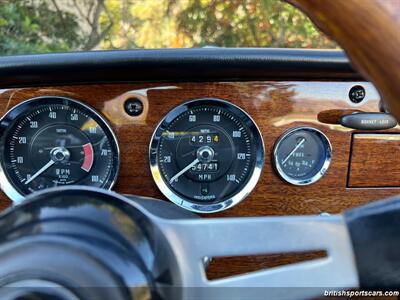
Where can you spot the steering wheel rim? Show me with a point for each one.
(368, 31)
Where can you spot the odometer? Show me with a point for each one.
(206, 155)
(53, 141)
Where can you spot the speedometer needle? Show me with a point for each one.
(44, 168)
(294, 150)
(184, 170)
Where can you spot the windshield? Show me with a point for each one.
(40, 26)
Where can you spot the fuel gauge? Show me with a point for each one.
(302, 155)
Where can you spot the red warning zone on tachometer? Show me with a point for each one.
(88, 159)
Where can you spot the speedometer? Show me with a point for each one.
(206, 155)
(54, 141)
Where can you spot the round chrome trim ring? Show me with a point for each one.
(5, 184)
(328, 157)
(188, 203)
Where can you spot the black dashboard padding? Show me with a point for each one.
(200, 64)
(375, 235)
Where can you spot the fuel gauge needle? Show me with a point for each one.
(294, 150)
(184, 170)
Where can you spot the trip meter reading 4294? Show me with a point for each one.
(54, 141)
(206, 155)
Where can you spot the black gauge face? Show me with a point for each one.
(48, 142)
(204, 153)
(302, 155)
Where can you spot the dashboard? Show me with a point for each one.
(269, 147)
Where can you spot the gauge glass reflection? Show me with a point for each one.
(206, 155)
(53, 141)
(302, 155)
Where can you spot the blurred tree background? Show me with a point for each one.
(32, 26)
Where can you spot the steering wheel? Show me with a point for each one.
(368, 31)
(80, 243)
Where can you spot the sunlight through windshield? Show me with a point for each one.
(35, 26)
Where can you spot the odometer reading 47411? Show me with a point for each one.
(54, 141)
(206, 155)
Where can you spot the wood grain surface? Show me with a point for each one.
(375, 160)
(275, 107)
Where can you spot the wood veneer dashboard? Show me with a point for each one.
(274, 106)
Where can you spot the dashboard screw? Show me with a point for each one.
(357, 94)
(133, 107)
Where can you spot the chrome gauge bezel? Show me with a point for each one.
(26, 106)
(188, 203)
(325, 165)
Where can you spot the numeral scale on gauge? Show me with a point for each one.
(206, 155)
(302, 155)
(53, 141)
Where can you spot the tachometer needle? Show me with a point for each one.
(294, 150)
(184, 170)
(44, 168)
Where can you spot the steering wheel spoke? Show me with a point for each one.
(194, 240)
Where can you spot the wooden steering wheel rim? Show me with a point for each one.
(368, 31)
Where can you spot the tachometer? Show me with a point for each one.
(53, 141)
(206, 155)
